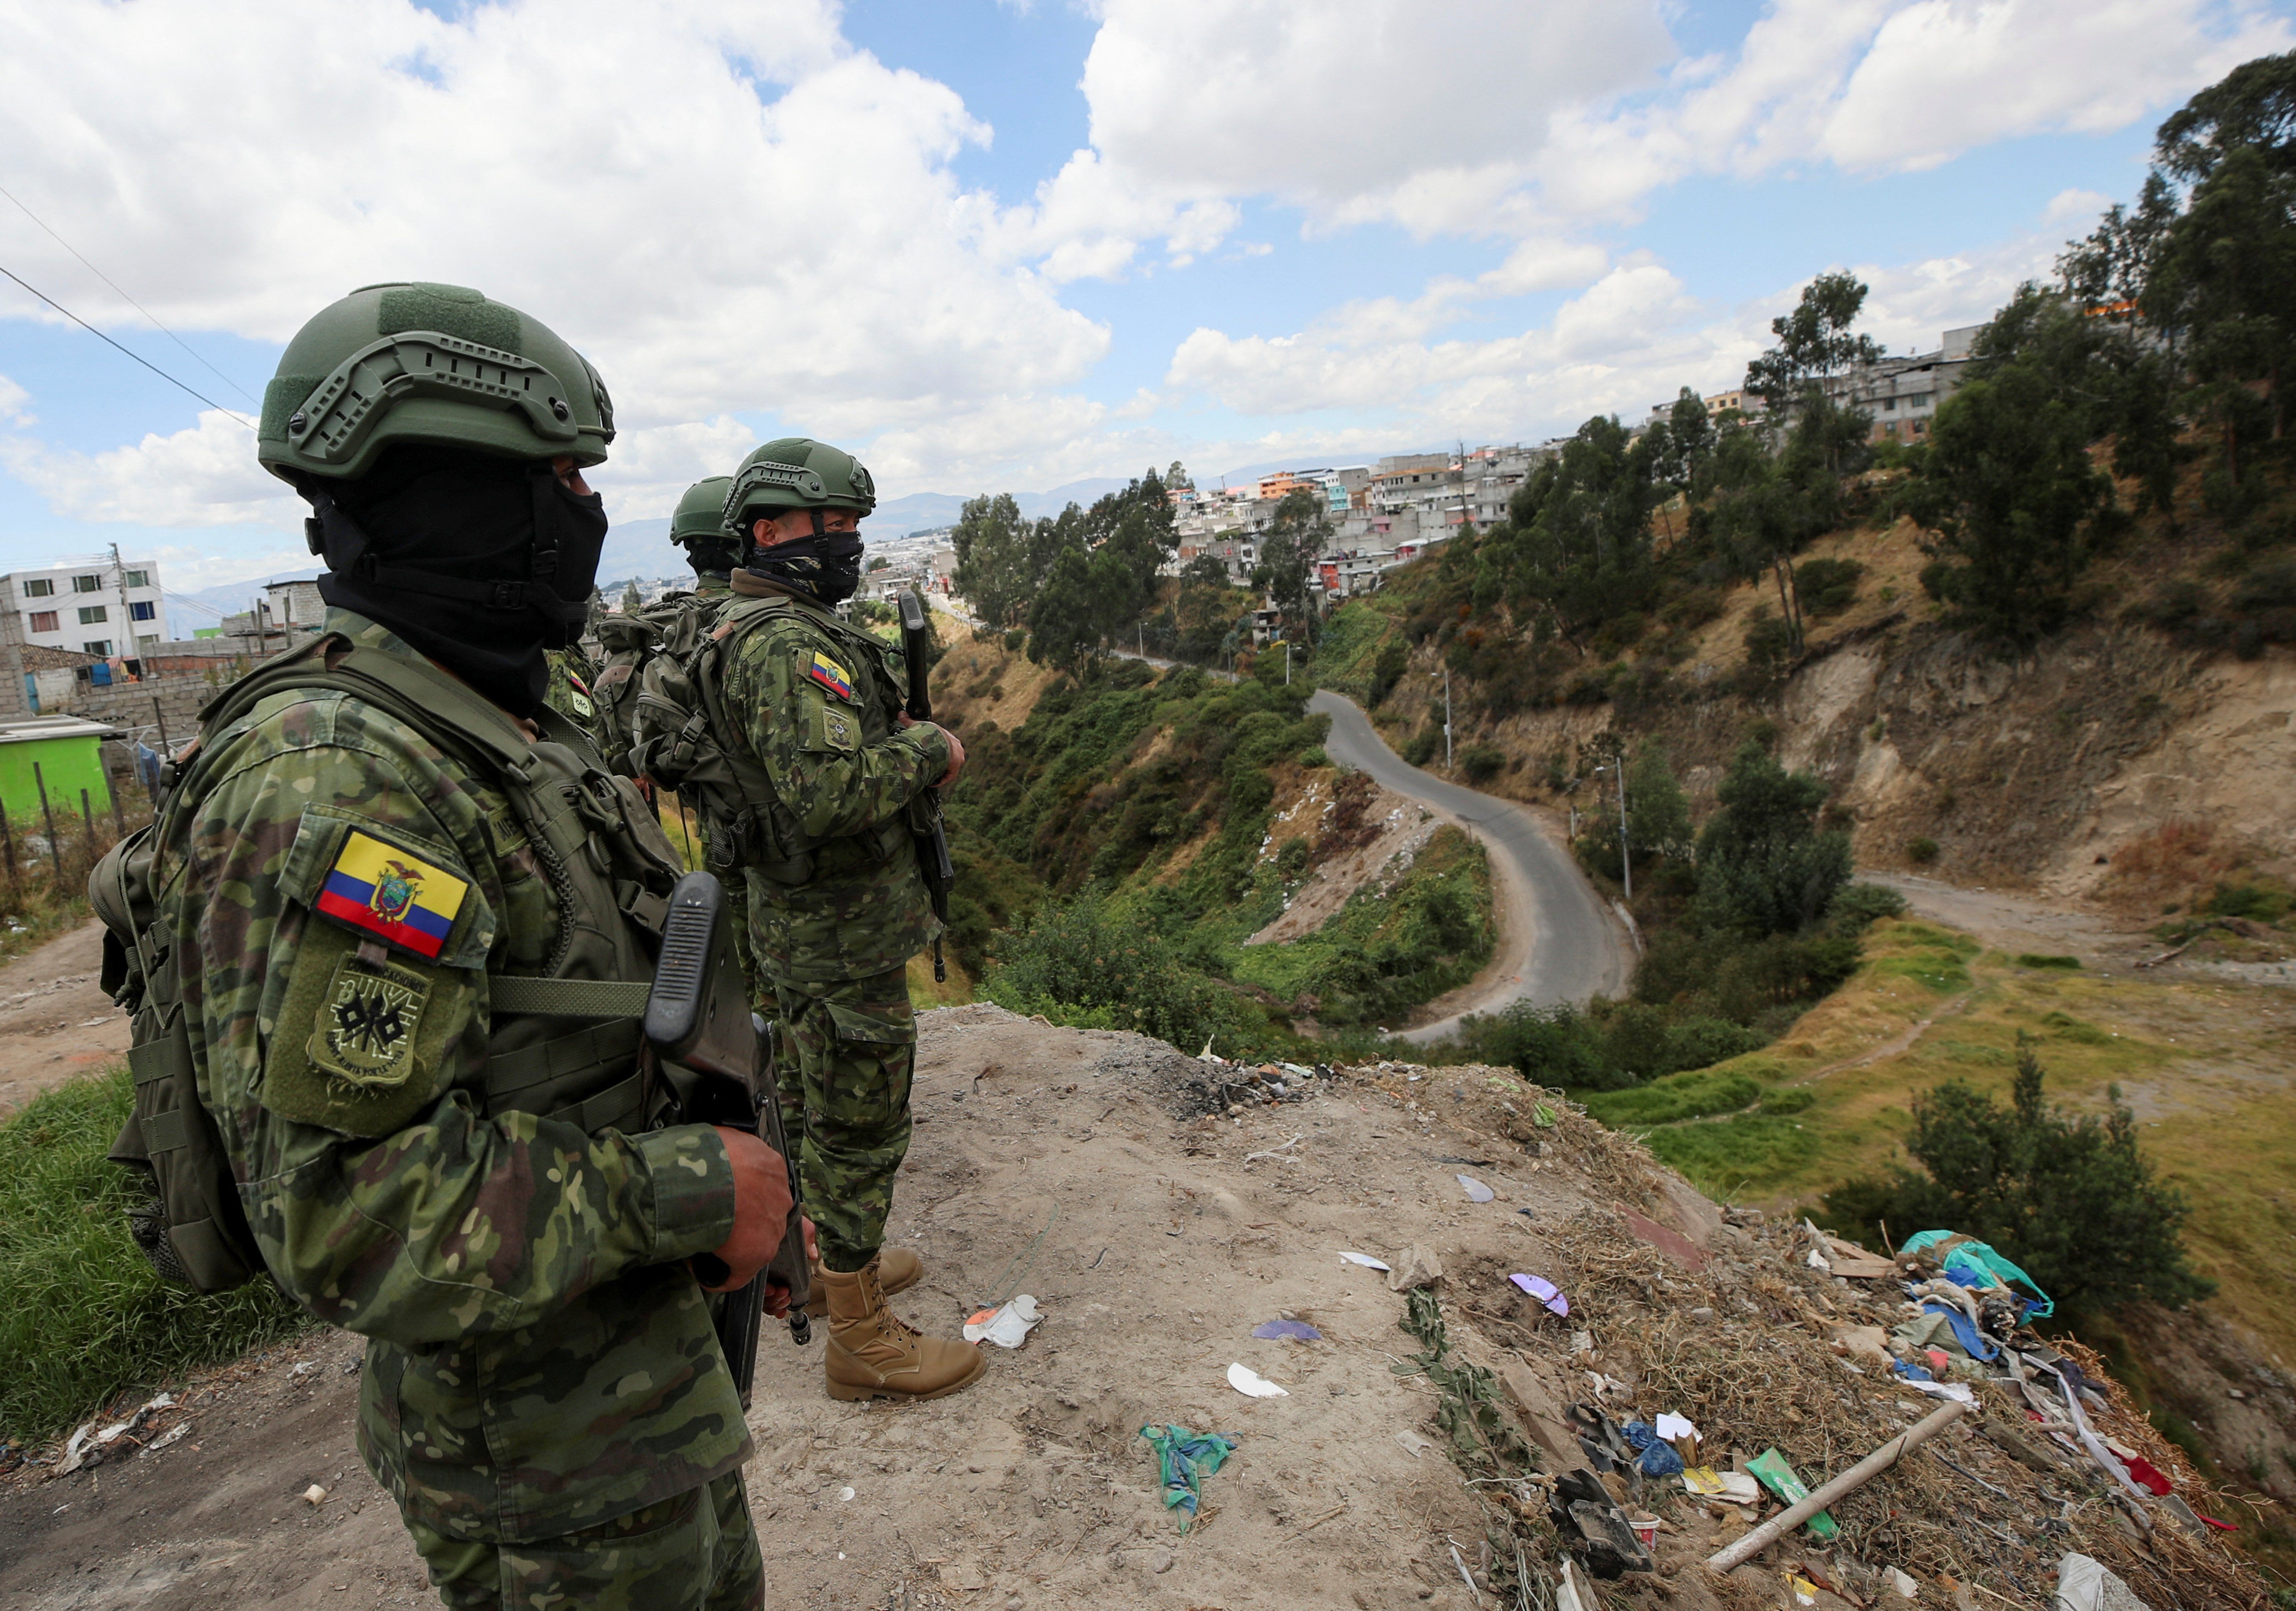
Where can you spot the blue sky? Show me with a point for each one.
(993, 245)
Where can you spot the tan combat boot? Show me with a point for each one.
(897, 1270)
(874, 1354)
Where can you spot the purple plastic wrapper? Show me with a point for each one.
(1296, 1331)
(1545, 1291)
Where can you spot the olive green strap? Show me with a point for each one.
(568, 998)
(510, 1075)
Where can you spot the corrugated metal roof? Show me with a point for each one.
(25, 729)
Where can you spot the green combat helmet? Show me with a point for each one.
(796, 472)
(698, 527)
(424, 363)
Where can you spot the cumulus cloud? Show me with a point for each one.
(729, 208)
(12, 400)
(205, 476)
(1631, 340)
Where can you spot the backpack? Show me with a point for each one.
(680, 718)
(607, 852)
(628, 642)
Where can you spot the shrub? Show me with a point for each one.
(1557, 1045)
(82, 1314)
(1858, 907)
(2071, 1197)
(1764, 864)
(1013, 639)
(1921, 850)
(2035, 960)
(1481, 762)
(2251, 900)
(1079, 960)
(1827, 587)
(1420, 748)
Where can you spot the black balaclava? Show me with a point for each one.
(478, 562)
(825, 565)
(712, 556)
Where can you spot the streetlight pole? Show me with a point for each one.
(1287, 662)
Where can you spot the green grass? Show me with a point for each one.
(1732, 1157)
(1677, 1096)
(82, 1316)
(2035, 960)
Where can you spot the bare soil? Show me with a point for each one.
(55, 1022)
(1100, 1173)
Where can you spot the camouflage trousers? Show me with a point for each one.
(737, 917)
(694, 1552)
(846, 1054)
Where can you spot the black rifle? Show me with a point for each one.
(717, 1057)
(932, 845)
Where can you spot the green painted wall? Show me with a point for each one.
(67, 766)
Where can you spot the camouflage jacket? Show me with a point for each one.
(569, 691)
(540, 1359)
(819, 702)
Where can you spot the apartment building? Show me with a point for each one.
(91, 606)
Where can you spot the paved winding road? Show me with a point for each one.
(1558, 941)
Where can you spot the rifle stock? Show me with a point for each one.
(717, 1057)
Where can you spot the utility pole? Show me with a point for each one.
(126, 610)
(1446, 718)
(1287, 662)
(1626, 855)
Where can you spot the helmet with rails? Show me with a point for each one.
(438, 365)
(796, 472)
(702, 511)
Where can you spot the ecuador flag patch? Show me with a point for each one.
(831, 676)
(382, 890)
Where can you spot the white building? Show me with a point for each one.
(90, 606)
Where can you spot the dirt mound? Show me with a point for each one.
(1080, 1167)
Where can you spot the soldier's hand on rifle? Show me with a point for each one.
(955, 752)
(761, 1207)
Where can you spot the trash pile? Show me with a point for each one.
(1242, 1085)
(1803, 1414)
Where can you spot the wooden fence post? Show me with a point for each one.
(56, 844)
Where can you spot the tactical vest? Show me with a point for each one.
(564, 1044)
(631, 642)
(689, 739)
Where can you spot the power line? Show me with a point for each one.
(131, 301)
(139, 358)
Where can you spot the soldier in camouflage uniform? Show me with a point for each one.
(838, 902)
(360, 894)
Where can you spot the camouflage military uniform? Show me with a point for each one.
(542, 1383)
(569, 692)
(819, 700)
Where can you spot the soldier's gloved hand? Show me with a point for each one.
(955, 751)
(761, 1207)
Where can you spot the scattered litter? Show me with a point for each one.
(1567, 1596)
(1958, 1391)
(1977, 1266)
(1646, 1526)
(1464, 1578)
(1732, 1487)
(1778, 1476)
(1296, 1331)
(1183, 1459)
(1672, 1427)
(1364, 1259)
(1805, 1592)
(1250, 1383)
(314, 1496)
(1582, 1506)
(2086, 1584)
(845, 1496)
(1657, 1457)
(1413, 1444)
(1545, 1291)
(172, 1434)
(1419, 1267)
(1582, 1341)
(1543, 1116)
(1007, 1326)
(1273, 1152)
(1905, 1587)
(1477, 1192)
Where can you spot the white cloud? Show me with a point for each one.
(12, 400)
(205, 476)
(730, 209)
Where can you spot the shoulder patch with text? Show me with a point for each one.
(380, 890)
(831, 676)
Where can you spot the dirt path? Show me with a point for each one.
(2020, 922)
(55, 1022)
(1061, 1163)
(1557, 942)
